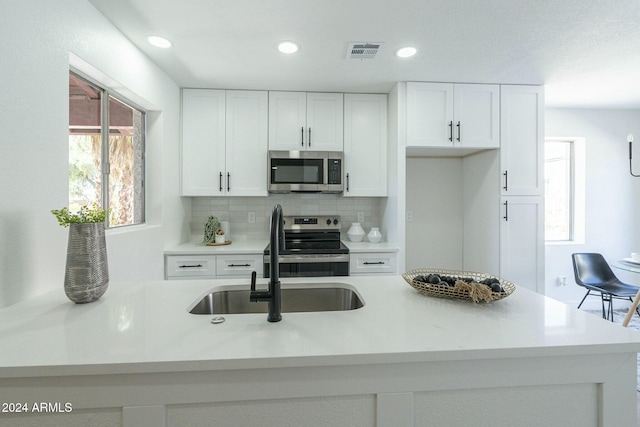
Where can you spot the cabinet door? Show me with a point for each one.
(202, 145)
(429, 114)
(522, 133)
(325, 121)
(522, 241)
(239, 265)
(287, 120)
(476, 115)
(246, 143)
(365, 145)
(372, 263)
(190, 267)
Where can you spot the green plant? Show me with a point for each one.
(94, 213)
(210, 228)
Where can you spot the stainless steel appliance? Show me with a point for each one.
(312, 248)
(305, 171)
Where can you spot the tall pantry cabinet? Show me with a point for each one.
(522, 186)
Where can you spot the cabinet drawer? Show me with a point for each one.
(239, 265)
(190, 266)
(378, 263)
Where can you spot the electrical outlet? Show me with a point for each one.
(251, 218)
(360, 217)
(562, 280)
(409, 216)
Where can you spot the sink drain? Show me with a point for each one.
(218, 319)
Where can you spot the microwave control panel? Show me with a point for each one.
(335, 171)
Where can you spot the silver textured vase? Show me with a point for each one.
(87, 272)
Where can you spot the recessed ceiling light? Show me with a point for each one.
(288, 47)
(406, 52)
(159, 42)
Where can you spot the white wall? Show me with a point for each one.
(38, 38)
(612, 195)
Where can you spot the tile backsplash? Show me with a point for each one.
(237, 211)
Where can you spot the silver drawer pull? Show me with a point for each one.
(373, 263)
(239, 265)
(191, 266)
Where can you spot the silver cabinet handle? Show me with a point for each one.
(506, 180)
(302, 136)
(228, 182)
(239, 265)
(451, 131)
(506, 210)
(458, 126)
(374, 263)
(221, 182)
(309, 141)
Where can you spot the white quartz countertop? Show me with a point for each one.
(235, 247)
(365, 247)
(142, 327)
(258, 246)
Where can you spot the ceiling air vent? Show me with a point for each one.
(361, 50)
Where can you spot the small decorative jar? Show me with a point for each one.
(374, 235)
(356, 232)
(220, 237)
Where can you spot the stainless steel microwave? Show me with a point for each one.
(305, 172)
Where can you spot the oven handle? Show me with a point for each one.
(299, 259)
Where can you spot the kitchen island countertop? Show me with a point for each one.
(130, 327)
(137, 356)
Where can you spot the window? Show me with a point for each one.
(106, 163)
(564, 189)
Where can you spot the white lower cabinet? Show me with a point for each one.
(238, 265)
(180, 267)
(190, 267)
(522, 241)
(372, 263)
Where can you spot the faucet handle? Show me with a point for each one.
(253, 281)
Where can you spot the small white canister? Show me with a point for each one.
(374, 235)
(356, 232)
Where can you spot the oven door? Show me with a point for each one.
(296, 174)
(310, 265)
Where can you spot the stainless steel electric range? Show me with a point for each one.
(312, 248)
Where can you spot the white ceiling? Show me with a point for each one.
(586, 52)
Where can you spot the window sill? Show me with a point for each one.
(130, 229)
(564, 243)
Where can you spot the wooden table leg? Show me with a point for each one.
(627, 319)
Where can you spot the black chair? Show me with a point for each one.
(592, 271)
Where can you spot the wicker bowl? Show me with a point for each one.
(444, 291)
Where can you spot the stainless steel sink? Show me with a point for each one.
(295, 298)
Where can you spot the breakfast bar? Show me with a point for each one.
(137, 357)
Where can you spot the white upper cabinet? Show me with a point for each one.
(365, 145)
(453, 115)
(306, 121)
(203, 145)
(224, 142)
(522, 129)
(246, 143)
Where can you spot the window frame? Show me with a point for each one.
(577, 159)
(105, 95)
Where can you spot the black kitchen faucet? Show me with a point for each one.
(272, 294)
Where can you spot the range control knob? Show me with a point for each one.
(328, 222)
(335, 221)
